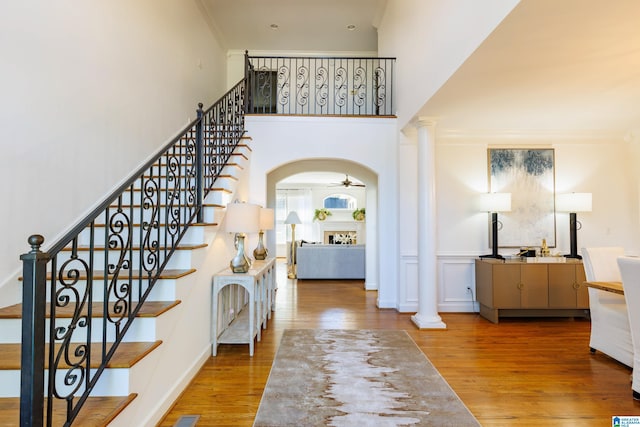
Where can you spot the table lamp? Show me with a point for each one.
(242, 218)
(292, 219)
(266, 223)
(572, 203)
(494, 203)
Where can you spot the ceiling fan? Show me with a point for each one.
(347, 183)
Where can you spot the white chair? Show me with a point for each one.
(610, 332)
(630, 272)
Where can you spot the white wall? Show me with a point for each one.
(370, 142)
(603, 166)
(90, 90)
(431, 39)
(580, 166)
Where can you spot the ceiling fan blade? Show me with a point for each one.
(346, 183)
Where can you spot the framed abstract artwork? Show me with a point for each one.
(529, 175)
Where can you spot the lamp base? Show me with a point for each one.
(292, 272)
(260, 252)
(573, 256)
(240, 263)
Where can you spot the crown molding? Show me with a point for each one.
(531, 136)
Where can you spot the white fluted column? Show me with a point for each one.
(427, 316)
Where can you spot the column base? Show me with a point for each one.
(428, 322)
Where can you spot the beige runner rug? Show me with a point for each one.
(356, 378)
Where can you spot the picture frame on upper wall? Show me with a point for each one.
(529, 175)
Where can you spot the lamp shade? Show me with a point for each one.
(495, 202)
(266, 219)
(573, 202)
(292, 218)
(243, 218)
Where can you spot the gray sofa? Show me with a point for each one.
(315, 261)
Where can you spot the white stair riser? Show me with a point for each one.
(210, 215)
(9, 383)
(219, 197)
(183, 169)
(194, 234)
(163, 290)
(113, 382)
(142, 329)
(181, 259)
(162, 197)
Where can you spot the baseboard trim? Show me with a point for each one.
(158, 412)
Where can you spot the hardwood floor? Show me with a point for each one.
(520, 372)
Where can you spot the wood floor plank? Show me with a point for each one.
(520, 372)
(149, 309)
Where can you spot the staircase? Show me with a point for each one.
(168, 341)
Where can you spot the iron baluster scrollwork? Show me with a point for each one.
(341, 88)
(70, 365)
(144, 220)
(359, 87)
(284, 90)
(302, 86)
(118, 291)
(380, 88)
(323, 85)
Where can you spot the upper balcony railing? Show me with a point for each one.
(320, 85)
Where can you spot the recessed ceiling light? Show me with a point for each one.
(274, 26)
(351, 27)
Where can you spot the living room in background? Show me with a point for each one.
(529, 175)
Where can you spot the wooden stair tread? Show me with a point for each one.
(149, 309)
(127, 355)
(135, 274)
(182, 247)
(96, 412)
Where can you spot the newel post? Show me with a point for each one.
(200, 163)
(34, 295)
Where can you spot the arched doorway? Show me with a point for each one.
(341, 166)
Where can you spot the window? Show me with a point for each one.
(340, 201)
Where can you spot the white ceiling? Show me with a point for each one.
(551, 65)
(303, 25)
(569, 65)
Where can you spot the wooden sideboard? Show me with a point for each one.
(516, 288)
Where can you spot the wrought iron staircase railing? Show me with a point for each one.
(131, 237)
(134, 232)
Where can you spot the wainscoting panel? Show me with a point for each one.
(455, 274)
(408, 289)
(456, 284)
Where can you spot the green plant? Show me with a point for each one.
(321, 214)
(358, 214)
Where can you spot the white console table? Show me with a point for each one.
(260, 284)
